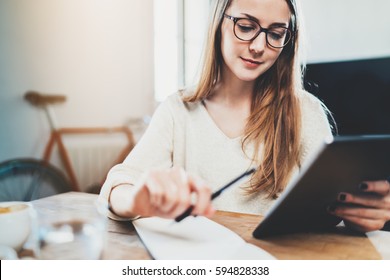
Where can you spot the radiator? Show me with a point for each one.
(91, 159)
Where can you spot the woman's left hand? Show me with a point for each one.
(371, 208)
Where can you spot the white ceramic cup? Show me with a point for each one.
(15, 223)
(7, 253)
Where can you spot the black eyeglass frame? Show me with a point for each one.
(261, 29)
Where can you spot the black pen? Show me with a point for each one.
(215, 194)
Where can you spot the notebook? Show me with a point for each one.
(194, 238)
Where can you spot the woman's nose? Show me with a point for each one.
(258, 44)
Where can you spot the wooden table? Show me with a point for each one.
(124, 243)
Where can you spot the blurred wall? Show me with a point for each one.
(99, 53)
(346, 30)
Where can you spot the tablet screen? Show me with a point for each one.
(340, 166)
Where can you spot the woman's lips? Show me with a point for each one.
(250, 63)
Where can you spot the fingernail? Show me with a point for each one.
(363, 186)
(342, 196)
(331, 208)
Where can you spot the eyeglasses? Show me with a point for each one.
(246, 29)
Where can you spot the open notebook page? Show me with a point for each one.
(194, 238)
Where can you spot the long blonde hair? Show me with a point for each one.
(274, 125)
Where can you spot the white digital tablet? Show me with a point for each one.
(340, 166)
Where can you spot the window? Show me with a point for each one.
(179, 33)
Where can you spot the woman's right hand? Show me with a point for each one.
(164, 193)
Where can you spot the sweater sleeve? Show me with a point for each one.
(154, 150)
(315, 126)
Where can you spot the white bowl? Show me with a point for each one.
(15, 223)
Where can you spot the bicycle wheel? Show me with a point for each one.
(28, 179)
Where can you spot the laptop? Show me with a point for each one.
(340, 166)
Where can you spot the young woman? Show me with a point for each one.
(248, 110)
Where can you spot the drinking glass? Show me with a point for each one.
(73, 234)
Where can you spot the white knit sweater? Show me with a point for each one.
(184, 134)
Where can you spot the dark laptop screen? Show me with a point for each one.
(356, 92)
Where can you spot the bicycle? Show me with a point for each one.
(44, 101)
(27, 179)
